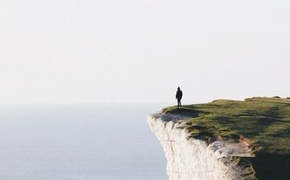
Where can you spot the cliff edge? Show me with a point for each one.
(226, 139)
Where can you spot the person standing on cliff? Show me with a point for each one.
(178, 97)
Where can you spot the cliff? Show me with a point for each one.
(226, 140)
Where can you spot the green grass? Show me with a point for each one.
(265, 122)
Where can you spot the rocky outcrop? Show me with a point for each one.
(196, 159)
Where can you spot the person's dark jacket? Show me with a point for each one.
(179, 94)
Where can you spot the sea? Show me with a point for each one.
(79, 142)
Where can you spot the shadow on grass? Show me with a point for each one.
(185, 112)
(271, 166)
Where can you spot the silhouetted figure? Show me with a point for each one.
(178, 97)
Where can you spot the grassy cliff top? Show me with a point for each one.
(265, 122)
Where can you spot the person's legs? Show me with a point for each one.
(178, 104)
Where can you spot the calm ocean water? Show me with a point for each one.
(79, 142)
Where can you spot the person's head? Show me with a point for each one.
(178, 88)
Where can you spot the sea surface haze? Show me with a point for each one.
(79, 142)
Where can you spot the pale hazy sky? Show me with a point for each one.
(108, 51)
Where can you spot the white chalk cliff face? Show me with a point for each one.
(193, 159)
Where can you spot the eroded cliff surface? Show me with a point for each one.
(196, 159)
